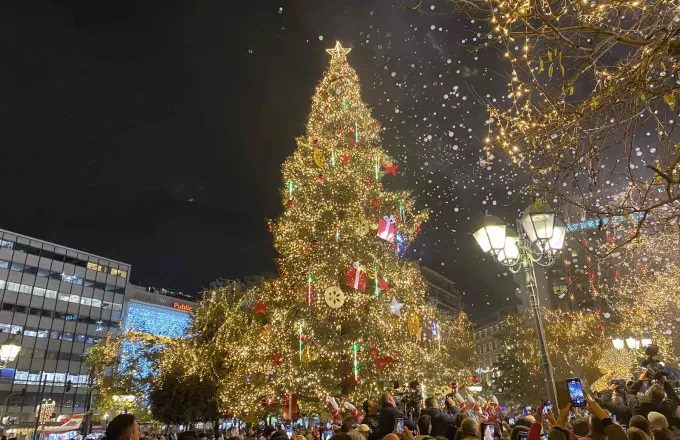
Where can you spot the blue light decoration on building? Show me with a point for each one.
(595, 222)
(156, 320)
(153, 320)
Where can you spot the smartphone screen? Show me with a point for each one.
(399, 425)
(511, 421)
(326, 434)
(547, 407)
(576, 394)
(289, 432)
(489, 431)
(522, 435)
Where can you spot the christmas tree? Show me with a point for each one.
(347, 315)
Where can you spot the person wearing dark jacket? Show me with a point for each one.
(660, 397)
(389, 413)
(371, 419)
(615, 401)
(441, 421)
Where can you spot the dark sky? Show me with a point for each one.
(153, 132)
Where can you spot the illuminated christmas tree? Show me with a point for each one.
(347, 315)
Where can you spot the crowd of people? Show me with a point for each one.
(643, 409)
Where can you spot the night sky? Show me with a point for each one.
(153, 132)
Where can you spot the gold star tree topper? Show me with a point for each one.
(338, 50)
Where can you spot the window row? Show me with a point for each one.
(53, 294)
(36, 378)
(39, 354)
(101, 324)
(52, 334)
(61, 276)
(20, 247)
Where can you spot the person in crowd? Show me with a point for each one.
(123, 427)
(389, 414)
(662, 434)
(441, 421)
(636, 434)
(581, 427)
(371, 418)
(614, 400)
(641, 423)
(469, 429)
(657, 420)
(424, 426)
(364, 430)
(659, 397)
(187, 435)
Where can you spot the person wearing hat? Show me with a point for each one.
(364, 430)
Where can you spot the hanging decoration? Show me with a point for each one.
(356, 132)
(387, 227)
(402, 211)
(334, 297)
(395, 307)
(400, 243)
(291, 188)
(377, 283)
(300, 349)
(436, 335)
(364, 227)
(381, 362)
(277, 358)
(344, 159)
(310, 289)
(376, 168)
(413, 324)
(390, 168)
(260, 307)
(355, 352)
(318, 158)
(355, 277)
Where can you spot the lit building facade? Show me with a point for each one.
(159, 312)
(488, 346)
(57, 301)
(442, 292)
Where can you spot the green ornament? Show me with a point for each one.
(345, 103)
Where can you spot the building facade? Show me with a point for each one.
(488, 346)
(442, 291)
(55, 302)
(156, 311)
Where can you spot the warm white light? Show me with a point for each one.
(557, 240)
(646, 341)
(618, 343)
(9, 351)
(538, 221)
(491, 234)
(632, 343)
(509, 255)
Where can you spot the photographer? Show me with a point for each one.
(659, 397)
(389, 413)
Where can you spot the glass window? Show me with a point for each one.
(38, 291)
(96, 302)
(119, 272)
(17, 267)
(2, 284)
(23, 288)
(67, 336)
(64, 297)
(72, 279)
(30, 332)
(74, 299)
(95, 266)
(4, 264)
(51, 294)
(13, 287)
(43, 333)
(6, 244)
(43, 273)
(86, 301)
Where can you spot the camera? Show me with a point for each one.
(655, 368)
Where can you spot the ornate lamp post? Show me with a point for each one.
(538, 237)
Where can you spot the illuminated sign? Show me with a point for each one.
(180, 306)
(595, 223)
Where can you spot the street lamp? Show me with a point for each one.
(9, 351)
(632, 343)
(618, 343)
(539, 236)
(646, 341)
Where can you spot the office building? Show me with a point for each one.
(442, 291)
(56, 302)
(157, 311)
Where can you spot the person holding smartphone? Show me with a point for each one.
(389, 413)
